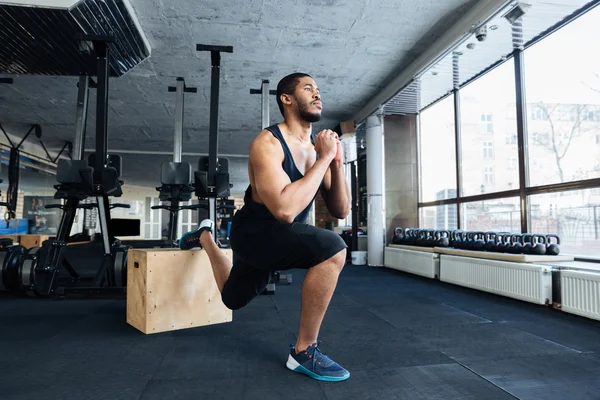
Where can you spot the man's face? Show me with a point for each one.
(309, 100)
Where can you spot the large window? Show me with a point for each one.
(439, 217)
(561, 137)
(438, 155)
(562, 80)
(501, 215)
(488, 131)
(574, 216)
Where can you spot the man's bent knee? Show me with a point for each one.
(233, 303)
(339, 259)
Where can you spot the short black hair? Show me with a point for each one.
(287, 85)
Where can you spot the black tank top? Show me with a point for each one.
(252, 209)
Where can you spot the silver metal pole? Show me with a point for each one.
(376, 211)
(177, 144)
(81, 117)
(266, 117)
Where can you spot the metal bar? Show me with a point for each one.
(213, 144)
(468, 199)
(104, 216)
(173, 221)
(103, 54)
(26, 135)
(164, 153)
(6, 134)
(67, 144)
(213, 141)
(66, 222)
(212, 48)
(81, 117)
(47, 154)
(259, 91)
(266, 117)
(354, 188)
(70, 269)
(212, 214)
(595, 223)
(458, 155)
(179, 106)
(419, 166)
(33, 156)
(530, 191)
(522, 135)
(566, 186)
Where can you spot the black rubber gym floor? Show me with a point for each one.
(400, 336)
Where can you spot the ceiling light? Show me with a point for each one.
(516, 12)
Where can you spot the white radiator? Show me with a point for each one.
(580, 293)
(527, 282)
(414, 262)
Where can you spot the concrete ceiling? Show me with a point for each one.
(351, 47)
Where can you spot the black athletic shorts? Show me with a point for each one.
(261, 246)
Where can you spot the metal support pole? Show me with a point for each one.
(354, 188)
(179, 106)
(103, 54)
(458, 155)
(375, 163)
(521, 135)
(81, 117)
(104, 217)
(266, 117)
(264, 94)
(213, 141)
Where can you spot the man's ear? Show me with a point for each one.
(286, 99)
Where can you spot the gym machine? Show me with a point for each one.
(176, 176)
(79, 179)
(11, 254)
(211, 180)
(277, 276)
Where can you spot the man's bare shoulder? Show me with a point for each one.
(265, 143)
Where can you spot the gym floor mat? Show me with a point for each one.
(400, 336)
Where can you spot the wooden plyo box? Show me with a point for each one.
(171, 289)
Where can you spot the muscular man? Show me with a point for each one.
(288, 166)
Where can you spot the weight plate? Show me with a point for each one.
(12, 263)
(27, 271)
(120, 267)
(4, 270)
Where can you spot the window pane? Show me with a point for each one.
(438, 217)
(489, 132)
(573, 216)
(563, 104)
(147, 209)
(499, 215)
(438, 158)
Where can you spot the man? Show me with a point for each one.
(286, 170)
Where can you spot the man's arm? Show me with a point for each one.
(284, 199)
(336, 191)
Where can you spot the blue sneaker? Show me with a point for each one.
(316, 364)
(191, 239)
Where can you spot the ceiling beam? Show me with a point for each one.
(480, 14)
(167, 153)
